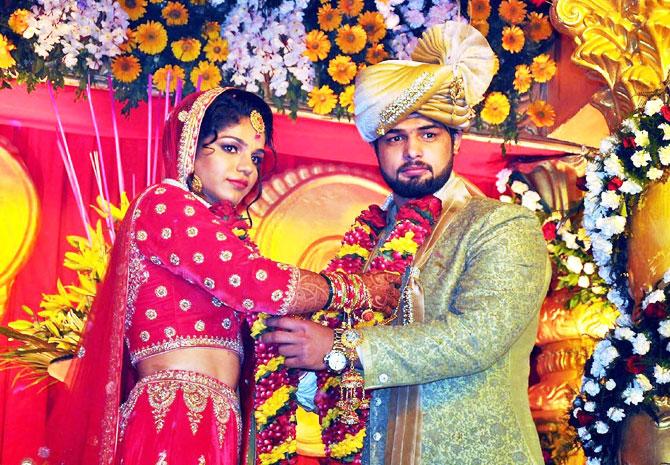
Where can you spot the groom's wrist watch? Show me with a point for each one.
(336, 360)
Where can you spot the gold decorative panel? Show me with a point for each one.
(303, 213)
(20, 213)
(624, 42)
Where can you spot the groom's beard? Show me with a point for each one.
(415, 188)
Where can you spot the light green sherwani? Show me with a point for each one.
(483, 285)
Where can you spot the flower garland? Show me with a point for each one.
(628, 370)
(636, 156)
(521, 35)
(344, 443)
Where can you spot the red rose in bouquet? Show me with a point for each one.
(549, 231)
(634, 364)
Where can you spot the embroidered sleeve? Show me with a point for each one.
(497, 293)
(175, 230)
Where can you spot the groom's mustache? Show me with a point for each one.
(414, 165)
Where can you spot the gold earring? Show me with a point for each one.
(196, 184)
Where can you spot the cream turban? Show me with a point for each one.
(451, 68)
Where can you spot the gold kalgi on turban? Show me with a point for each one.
(451, 68)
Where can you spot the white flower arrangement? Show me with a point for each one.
(87, 33)
(629, 161)
(266, 49)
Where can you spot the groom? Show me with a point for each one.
(449, 377)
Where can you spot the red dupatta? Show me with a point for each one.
(83, 425)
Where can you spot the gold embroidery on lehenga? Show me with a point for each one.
(162, 458)
(195, 398)
(161, 397)
(201, 460)
(222, 415)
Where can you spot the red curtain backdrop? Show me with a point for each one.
(27, 120)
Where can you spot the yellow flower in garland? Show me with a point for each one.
(513, 39)
(175, 14)
(349, 249)
(349, 445)
(329, 18)
(481, 26)
(278, 453)
(151, 37)
(186, 49)
(317, 45)
(18, 21)
(211, 76)
(211, 30)
(350, 7)
(404, 245)
(322, 100)
(347, 100)
(134, 8)
(126, 68)
(522, 78)
(351, 39)
(543, 68)
(269, 367)
(512, 11)
(259, 325)
(375, 54)
(541, 114)
(496, 108)
(479, 10)
(373, 24)
(342, 69)
(271, 406)
(160, 77)
(6, 59)
(216, 50)
(538, 27)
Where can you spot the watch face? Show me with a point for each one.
(336, 360)
(351, 338)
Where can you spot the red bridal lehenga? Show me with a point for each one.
(177, 275)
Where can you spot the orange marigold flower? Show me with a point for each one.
(375, 54)
(350, 7)
(541, 114)
(479, 10)
(18, 21)
(134, 8)
(513, 39)
(347, 99)
(496, 64)
(216, 50)
(211, 30)
(322, 100)
(538, 27)
(210, 74)
(481, 26)
(543, 68)
(126, 68)
(351, 39)
(329, 18)
(496, 108)
(522, 78)
(342, 69)
(512, 11)
(160, 77)
(317, 45)
(186, 49)
(130, 43)
(175, 14)
(374, 26)
(151, 37)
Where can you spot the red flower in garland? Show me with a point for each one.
(657, 310)
(585, 418)
(665, 111)
(634, 364)
(374, 216)
(549, 231)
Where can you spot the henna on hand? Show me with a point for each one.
(311, 293)
(384, 288)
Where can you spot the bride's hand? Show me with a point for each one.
(384, 288)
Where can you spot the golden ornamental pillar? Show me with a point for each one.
(20, 215)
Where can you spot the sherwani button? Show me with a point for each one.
(378, 402)
(383, 378)
(377, 436)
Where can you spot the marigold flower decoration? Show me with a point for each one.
(372, 23)
(375, 54)
(208, 75)
(186, 49)
(126, 68)
(175, 14)
(216, 50)
(351, 39)
(6, 59)
(317, 45)
(543, 68)
(347, 99)
(135, 8)
(342, 69)
(161, 74)
(496, 108)
(512, 11)
(350, 7)
(151, 37)
(329, 18)
(541, 114)
(522, 78)
(322, 100)
(18, 21)
(513, 39)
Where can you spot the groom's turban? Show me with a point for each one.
(451, 68)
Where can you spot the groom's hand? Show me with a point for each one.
(303, 342)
